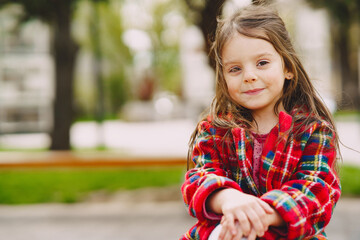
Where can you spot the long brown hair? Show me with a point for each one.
(263, 22)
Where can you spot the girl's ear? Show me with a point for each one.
(289, 75)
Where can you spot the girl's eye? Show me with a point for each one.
(262, 63)
(234, 69)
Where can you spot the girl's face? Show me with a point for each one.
(254, 73)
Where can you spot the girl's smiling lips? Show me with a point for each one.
(254, 91)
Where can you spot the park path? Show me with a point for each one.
(133, 215)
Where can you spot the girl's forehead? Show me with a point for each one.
(239, 47)
(248, 32)
(254, 34)
(245, 42)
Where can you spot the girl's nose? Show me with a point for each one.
(249, 76)
(247, 80)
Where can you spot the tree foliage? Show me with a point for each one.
(165, 55)
(100, 37)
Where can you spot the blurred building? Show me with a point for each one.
(26, 75)
(198, 76)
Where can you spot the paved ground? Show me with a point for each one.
(130, 216)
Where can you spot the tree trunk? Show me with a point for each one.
(65, 51)
(97, 65)
(350, 98)
(208, 23)
(97, 71)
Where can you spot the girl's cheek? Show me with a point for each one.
(231, 88)
(232, 82)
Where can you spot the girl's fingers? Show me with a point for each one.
(230, 222)
(268, 209)
(252, 235)
(222, 232)
(243, 223)
(256, 221)
(228, 228)
(222, 219)
(263, 213)
(225, 234)
(239, 234)
(228, 236)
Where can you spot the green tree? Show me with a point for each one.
(58, 14)
(165, 57)
(101, 38)
(344, 18)
(116, 56)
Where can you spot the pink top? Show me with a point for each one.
(259, 141)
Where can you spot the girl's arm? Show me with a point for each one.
(209, 174)
(307, 199)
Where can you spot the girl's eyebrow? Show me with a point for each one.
(265, 54)
(260, 55)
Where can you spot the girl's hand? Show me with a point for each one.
(244, 214)
(238, 236)
(275, 219)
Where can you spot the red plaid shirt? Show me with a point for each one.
(297, 179)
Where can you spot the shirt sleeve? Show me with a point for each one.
(306, 201)
(209, 173)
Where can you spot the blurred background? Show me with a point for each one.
(100, 97)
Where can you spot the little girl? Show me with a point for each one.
(265, 155)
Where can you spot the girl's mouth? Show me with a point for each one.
(254, 91)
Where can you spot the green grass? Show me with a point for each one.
(27, 186)
(73, 185)
(350, 115)
(350, 180)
